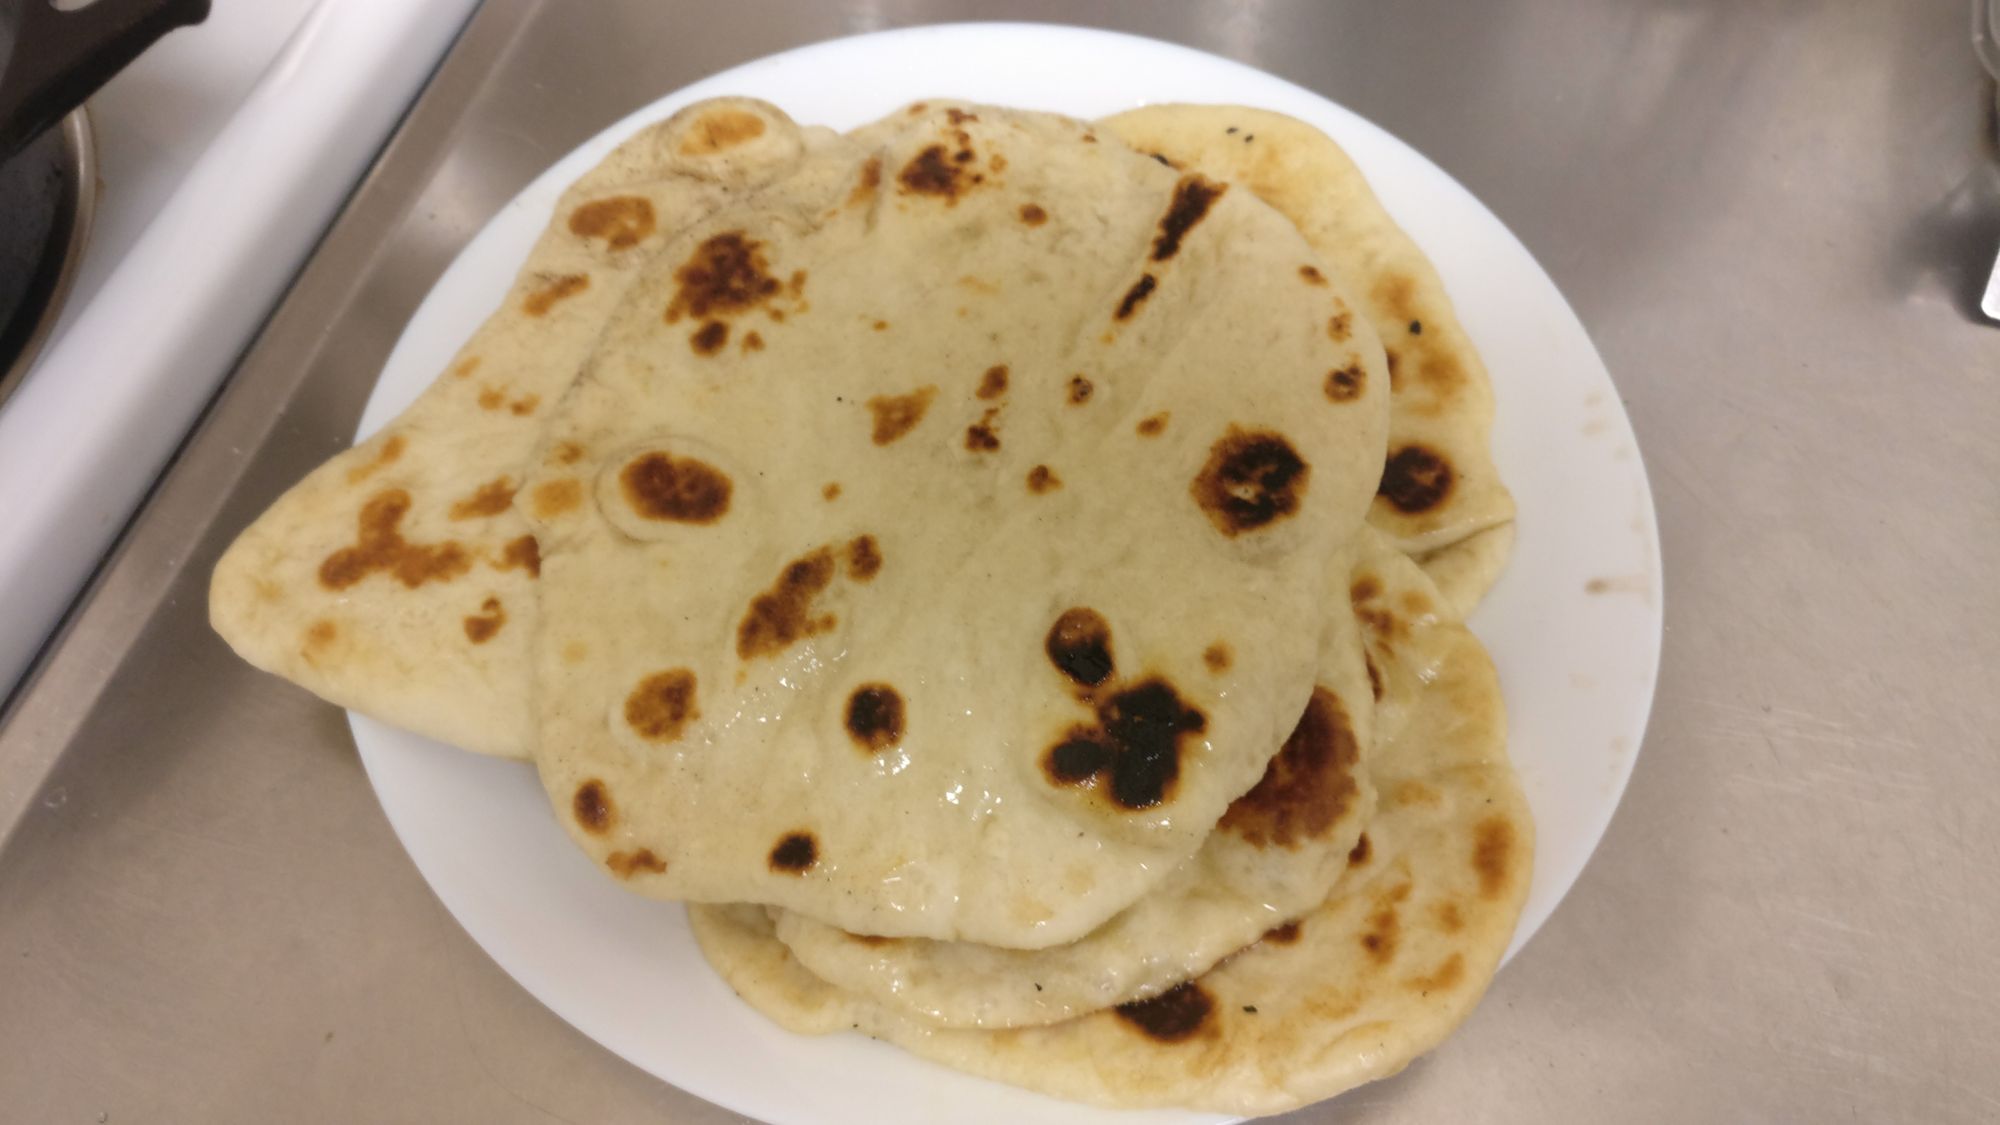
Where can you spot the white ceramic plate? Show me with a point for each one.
(1574, 625)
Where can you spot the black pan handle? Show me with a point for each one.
(62, 57)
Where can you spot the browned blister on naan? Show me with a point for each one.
(398, 578)
(1034, 425)
(1350, 991)
(1275, 854)
(1440, 498)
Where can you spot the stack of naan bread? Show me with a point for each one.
(1004, 572)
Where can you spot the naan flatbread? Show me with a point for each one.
(1274, 856)
(1393, 960)
(905, 505)
(397, 579)
(1440, 491)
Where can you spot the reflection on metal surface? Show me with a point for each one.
(1770, 216)
(1986, 43)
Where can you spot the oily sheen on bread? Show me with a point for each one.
(1379, 973)
(1273, 857)
(892, 520)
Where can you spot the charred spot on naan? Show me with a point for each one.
(627, 864)
(489, 499)
(660, 486)
(709, 338)
(1340, 326)
(937, 173)
(726, 276)
(1033, 214)
(380, 546)
(1384, 931)
(1042, 479)
(620, 222)
(1345, 384)
(1287, 934)
(783, 614)
(993, 384)
(1174, 1016)
(1309, 784)
(1141, 289)
(875, 717)
(662, 705)
(1154, 425)
(983, 436)
(1416, 479)
(1133, 749)
(1079, 645)
(1312, 275)
(1080, 390)
(592, 807)
(480, 627)
(896, 415)
(1360, 852)
(1193, 196)
(553, 291)
(719, 130)
(1253, 478)
(522, 553)
(864, 558)
(795, 853)
(1133, 752)
(1493, 852)
(1218, 657)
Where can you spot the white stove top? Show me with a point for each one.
(223, 152)
(158, 115)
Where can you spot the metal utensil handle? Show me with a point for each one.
(62, 57)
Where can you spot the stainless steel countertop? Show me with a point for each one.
(1773, 215)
